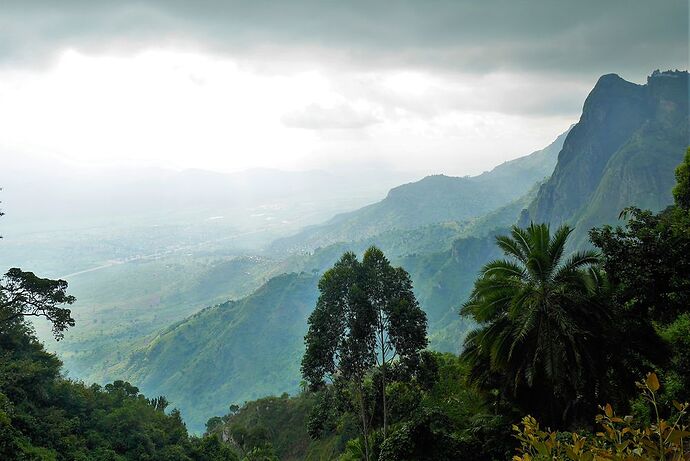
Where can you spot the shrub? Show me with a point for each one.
(621, 439)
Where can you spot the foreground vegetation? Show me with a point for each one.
(47, 417)
(44, 416)
(621, 439)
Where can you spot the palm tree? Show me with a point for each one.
(539, 319)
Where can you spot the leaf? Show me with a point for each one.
(652, 382)
(608, 410)
(676, 435)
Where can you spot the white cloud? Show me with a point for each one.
(341, 116)
(175, 109)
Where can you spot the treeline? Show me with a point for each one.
(559, 334)
(44, 416)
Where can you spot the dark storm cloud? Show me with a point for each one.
(576, 37)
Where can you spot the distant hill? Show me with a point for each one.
(622, 152)
(432, 200)
(232, 352)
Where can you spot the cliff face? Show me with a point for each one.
(622, 152)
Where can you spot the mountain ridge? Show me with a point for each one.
(431, 200)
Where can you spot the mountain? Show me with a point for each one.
(231, 352)
(432, 200)
(241, 350)
(245, 349)
(622, 152)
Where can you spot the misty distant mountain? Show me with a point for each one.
(71, 197)
(432, 200)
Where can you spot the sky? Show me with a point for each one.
(424, 87)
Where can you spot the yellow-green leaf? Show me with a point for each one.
(675, 436)
(652, 382)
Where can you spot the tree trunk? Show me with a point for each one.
(552, 410)
(365, 430)
(385, 407)
(383, 380)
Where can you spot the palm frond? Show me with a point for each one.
(557, 244)
(523, 239)
(510, 247)
(502, 268)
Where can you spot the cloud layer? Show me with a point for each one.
(453, 86)
(587, 36)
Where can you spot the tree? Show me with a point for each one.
(537, 313)
(681, 192)
(366, 315)
(648, 262)
(23, 294)
(399, 323)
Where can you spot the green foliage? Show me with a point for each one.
(648, 263)
(658, 291)
(46, 417)
(23, 294)
(621, 438)
(432, 403)
(366, 314)
(681, 192)
(540, 321)
(676, 373)
(281, 424)
(424, 437)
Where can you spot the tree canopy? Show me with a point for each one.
(23, 294)
(539, 314)
(366, 315)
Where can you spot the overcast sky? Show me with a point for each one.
(451, 87)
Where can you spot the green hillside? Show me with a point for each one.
(246, 349)
(232, 352)
(243, 350)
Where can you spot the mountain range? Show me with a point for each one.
(433, 200)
